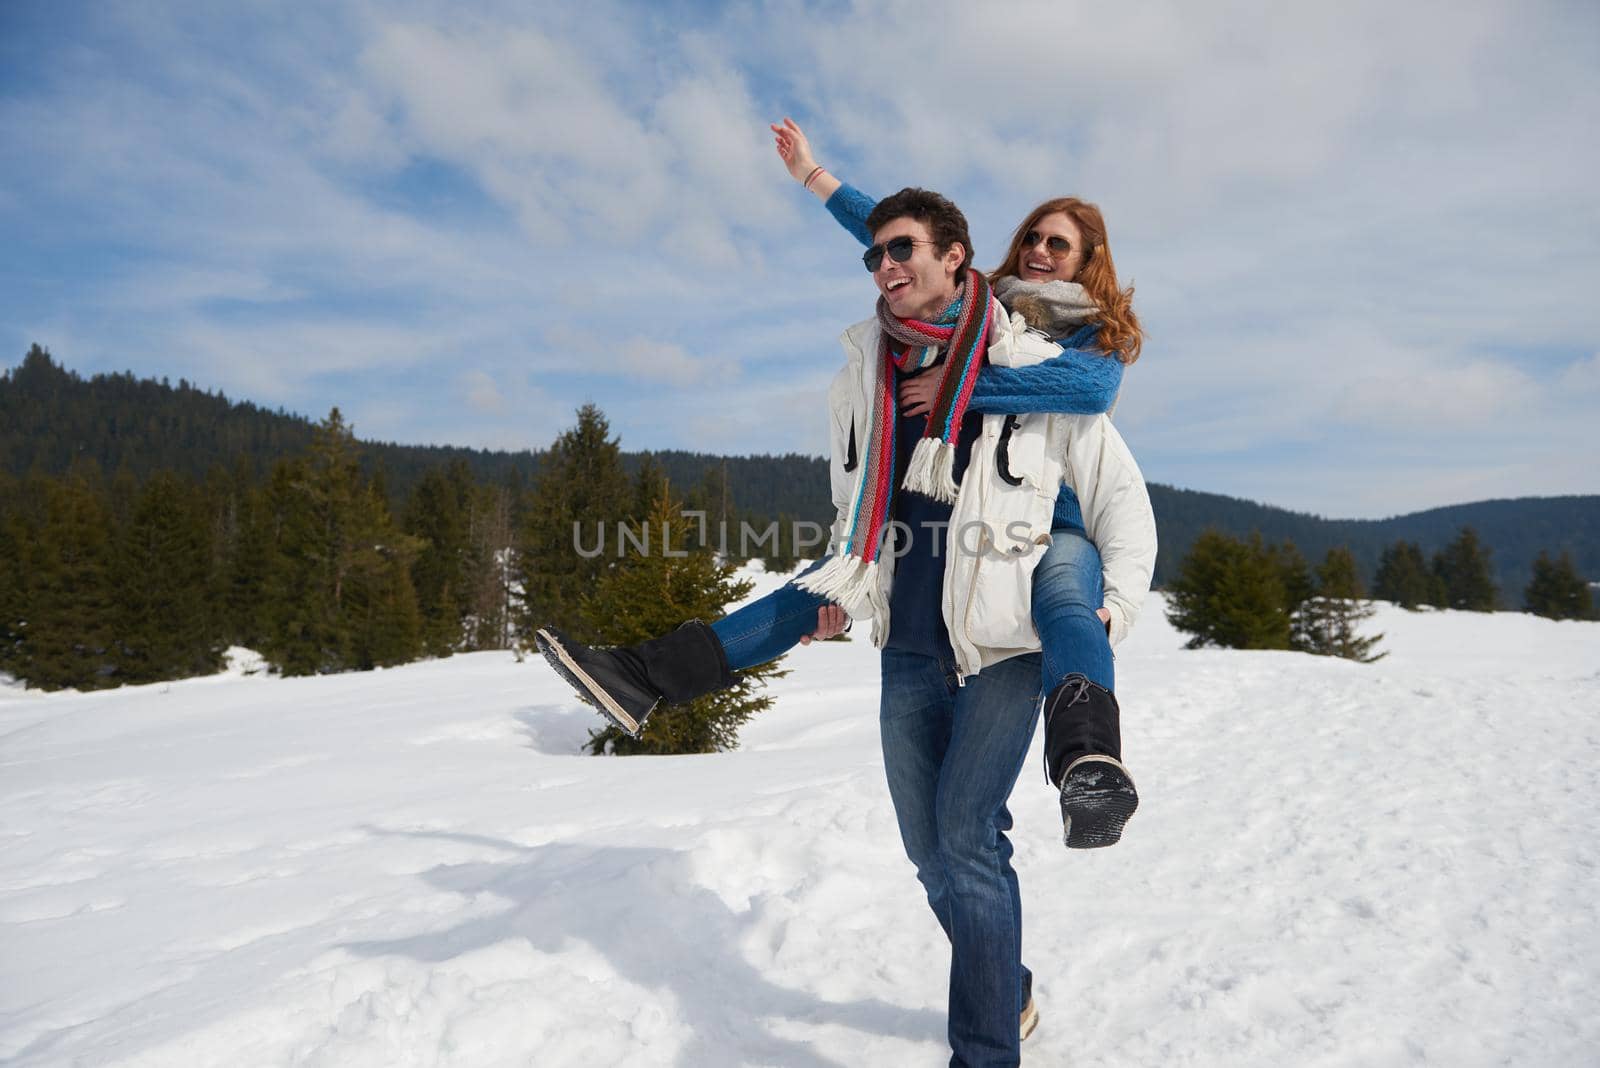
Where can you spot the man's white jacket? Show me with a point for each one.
(1000, 526)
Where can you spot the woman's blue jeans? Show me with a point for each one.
(1068, 585)
(952, 754)
(1067, 588)
(770, 626)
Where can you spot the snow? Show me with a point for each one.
(1332, 864)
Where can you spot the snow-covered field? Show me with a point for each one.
(1332, 864)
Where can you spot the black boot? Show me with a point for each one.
(625, 682)
(1083, 758)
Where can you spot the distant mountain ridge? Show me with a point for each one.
(51, 417)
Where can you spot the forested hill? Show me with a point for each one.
(50, 417)
(1515, 530)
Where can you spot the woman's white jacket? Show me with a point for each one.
(1000, 526)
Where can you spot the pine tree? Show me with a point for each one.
(488, 575)
(569, 538)
(65, 600)
(15, 533)
(717, 530)
(1230, 593)
(439, 512)
(1298, 586)
(779, 554)
(1403, 578)
(302, 632)
(378, 602)
(339, 591)
(163, 626)
(649, 482)
(1557, 591)
(245, 534)
(646, 595)
(1465, 573)
(1327, 622)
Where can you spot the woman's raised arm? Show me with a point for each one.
(847, 204)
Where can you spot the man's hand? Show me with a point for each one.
(830, 621)
(917, 393)
(1105, 617)
(794, 149)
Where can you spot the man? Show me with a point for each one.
(952, 751)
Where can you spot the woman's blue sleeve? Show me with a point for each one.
(850, 207)
(1078, 382)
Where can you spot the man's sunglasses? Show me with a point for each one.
(898, 248)
(1056, 246)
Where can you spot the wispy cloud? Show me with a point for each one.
(1362, 234)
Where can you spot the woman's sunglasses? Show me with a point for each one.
(1058, 247)
(898, 248)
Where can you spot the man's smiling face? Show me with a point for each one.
(920, 287)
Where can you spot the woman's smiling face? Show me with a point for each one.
(1039, 262)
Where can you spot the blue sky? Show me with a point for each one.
(1363, 235)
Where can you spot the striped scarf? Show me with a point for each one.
(960, 339)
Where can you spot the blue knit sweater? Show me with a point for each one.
(1081, 381)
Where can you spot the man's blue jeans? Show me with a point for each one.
(1067, 588)
(952, 754)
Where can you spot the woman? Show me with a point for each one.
(1059, 276)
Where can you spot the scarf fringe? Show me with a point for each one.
(931, 471)
(847, 581)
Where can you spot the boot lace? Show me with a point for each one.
(1074, 689)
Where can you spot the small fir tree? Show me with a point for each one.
(646, 595)
(1466, 574)
(1328, 621)
(1403, 578)
(1230, 593)
(1557, 591)
(1298, 586)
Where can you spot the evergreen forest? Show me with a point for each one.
(147, 527)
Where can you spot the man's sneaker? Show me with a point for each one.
(1097, 797)
(1082, 755)
(612, 680)
(1029, 1011)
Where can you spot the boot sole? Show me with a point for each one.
(589, 691)
(1097, 799)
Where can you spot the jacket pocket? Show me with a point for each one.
(999, 609)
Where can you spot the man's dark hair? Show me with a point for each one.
(942, 218)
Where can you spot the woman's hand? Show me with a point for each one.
(830, 621)
(794, 149)
(917, 394)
